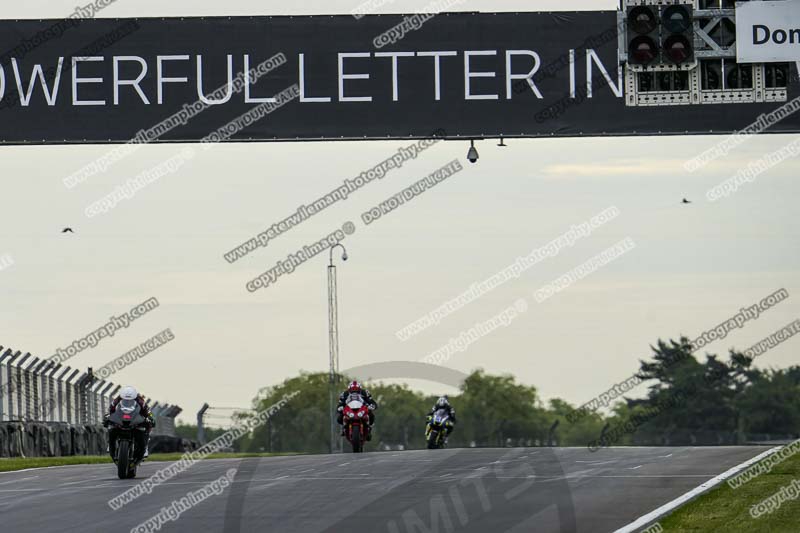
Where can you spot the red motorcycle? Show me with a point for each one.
(356, 421)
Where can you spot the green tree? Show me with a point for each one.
(189, 431)
(712, 402)
(400, 418)
(302, 425)
(771, 405)
(496, 410)
(688, 402)
(579, 433)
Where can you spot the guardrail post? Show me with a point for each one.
(13, 384)
(60, 382)
(72, 397)
(103, 398)
(97, 403)
(38, 387)
(5, 391)
(91, 411)
(83, 389)
(52, 400)
(31, 388)
(21, 383)
(44, 389)
(80, 400)
(201, 430)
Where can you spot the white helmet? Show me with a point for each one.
(442, 401)
(128, 393)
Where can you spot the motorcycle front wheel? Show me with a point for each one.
(433, 440)
(355, 439)
(123, 459)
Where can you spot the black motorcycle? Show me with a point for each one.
(438, 426)
(124, 423)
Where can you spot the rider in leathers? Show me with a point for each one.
(355, 388)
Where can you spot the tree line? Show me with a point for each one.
(687, 402)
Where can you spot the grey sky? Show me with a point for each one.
(693, 267)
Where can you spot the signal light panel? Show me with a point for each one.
(660, 35)
(683, 52)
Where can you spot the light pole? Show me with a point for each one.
(333, 338)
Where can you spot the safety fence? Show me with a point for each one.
(49, 409)
(41, 390)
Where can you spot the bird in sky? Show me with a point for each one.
(67, 230)
(685, 201)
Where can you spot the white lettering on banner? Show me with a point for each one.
(487, 75)
(343, 77)
(162, 80)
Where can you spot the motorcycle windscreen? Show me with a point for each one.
(129, 413)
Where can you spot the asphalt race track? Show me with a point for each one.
(477, 490)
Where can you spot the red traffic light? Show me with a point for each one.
(677, 48)
(643, 50)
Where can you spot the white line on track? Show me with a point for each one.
(276, 481)
(18, 480)
(41, 468)
(694, 493)
(649, 476)
(83, 481)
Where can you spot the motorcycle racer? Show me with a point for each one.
(355, 388)
(444, 403)
(130, 393)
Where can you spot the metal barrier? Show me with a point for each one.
(39, 390)
(165, 419)
(48, 409)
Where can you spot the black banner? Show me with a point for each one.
(332, 77)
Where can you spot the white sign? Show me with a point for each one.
(768, 31)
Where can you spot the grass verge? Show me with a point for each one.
(728, 510)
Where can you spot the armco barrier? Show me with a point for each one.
(38, 439)
(169, 444)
